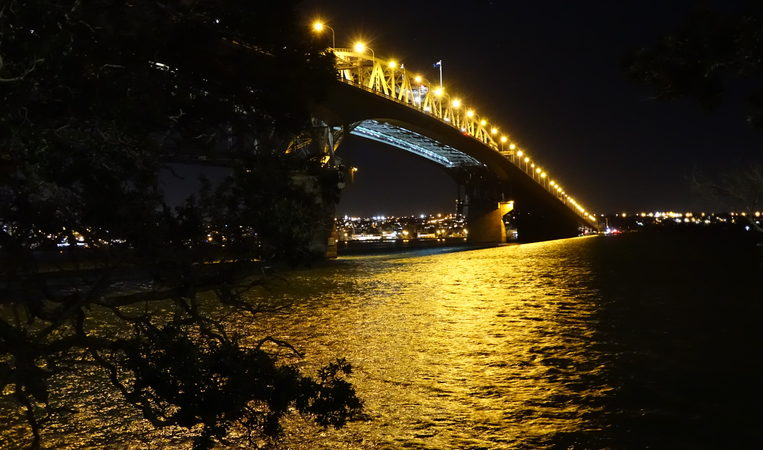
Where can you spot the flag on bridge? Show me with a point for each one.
(437, 64)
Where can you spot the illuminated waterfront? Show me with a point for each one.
(630, 341)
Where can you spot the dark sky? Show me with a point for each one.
(550, 73)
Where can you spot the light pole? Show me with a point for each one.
(438, 64)
(360, 47)
(318, 27)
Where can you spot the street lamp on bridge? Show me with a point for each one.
(319, 26)
(361, 47)
(517, 156)
(513, 147)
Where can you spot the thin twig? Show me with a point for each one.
(22, 76)
(279, 343)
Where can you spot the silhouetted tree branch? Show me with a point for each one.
(96, 269)
(709, 52)
(699, 60)
(740, 190)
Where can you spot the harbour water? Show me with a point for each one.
(643, 340)
(635, 341)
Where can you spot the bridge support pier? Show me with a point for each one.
(487, 227)
(324, 184)
(481, 198)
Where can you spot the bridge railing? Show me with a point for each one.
(390, 79)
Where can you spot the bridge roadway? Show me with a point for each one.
(376, 100)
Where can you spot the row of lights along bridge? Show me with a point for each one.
(516, 155)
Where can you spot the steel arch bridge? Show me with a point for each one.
(378, 99)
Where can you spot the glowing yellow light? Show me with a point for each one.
(537, 170)
(543, 174)
(456, 103)
(519, 152)
(483, 122)
(527, 160)
(359, 47)
(438, 92)
(470, 113)
(552, 182)
(513, 147)
(532, 165)
(392, 64)
(417, 79)
(494, 130)
(504, 139)
(318, 26)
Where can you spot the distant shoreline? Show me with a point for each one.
(361, 247)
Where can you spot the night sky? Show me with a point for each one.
(550, 74)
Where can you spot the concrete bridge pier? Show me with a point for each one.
(324, 184)
(482, 201)
(323, 187)
(487, 227)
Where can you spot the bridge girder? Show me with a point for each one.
(410, 141)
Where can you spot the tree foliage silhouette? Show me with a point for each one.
(711, 53)
(96, 95)
(707, 54)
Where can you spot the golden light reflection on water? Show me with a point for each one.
(487, 348)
